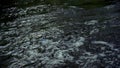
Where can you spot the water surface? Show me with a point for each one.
(59, 34)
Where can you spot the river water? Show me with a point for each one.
(59, 34)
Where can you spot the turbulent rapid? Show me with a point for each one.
(44, 36)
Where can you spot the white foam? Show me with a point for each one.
(103, 43)
(92, 22)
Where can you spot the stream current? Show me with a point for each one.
(44, 36)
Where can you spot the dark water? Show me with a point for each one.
(60, 34)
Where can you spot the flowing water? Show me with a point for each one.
(59, 34)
